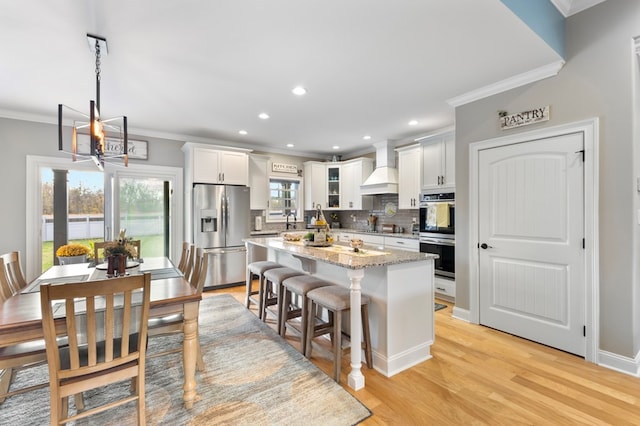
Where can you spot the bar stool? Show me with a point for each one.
(258, 268)
(273, 290)
(336, 300)
(299, 285)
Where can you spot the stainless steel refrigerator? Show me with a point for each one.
(220, 222)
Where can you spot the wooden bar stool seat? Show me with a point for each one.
(273, 289)
(257, 268)
(336, 300)
(299, 285)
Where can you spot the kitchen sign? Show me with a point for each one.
(524, 118)
(284, 168)
(137, 149)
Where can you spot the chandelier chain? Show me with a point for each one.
(97, 60)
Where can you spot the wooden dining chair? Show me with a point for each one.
(184, 257)
(13, 271)
(106, 327)
(173, 322)
(22, 355)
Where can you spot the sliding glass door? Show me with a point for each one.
(142, 206)
(73, 202)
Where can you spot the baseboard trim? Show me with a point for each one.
(623, 364)
(461, 314)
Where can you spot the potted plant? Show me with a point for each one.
(72, 253)
(121, 246)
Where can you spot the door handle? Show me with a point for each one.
(485, 246)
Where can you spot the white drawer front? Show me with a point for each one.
(445, 287)
(402, 243)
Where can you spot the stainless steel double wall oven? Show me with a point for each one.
(437, 230)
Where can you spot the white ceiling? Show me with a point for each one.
(199, 70)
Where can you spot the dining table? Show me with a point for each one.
(21, 317)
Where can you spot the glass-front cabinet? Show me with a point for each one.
(333, 186)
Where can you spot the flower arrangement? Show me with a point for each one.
(70, 250)
(122, 246)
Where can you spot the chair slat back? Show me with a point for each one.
(190, 261)
(183, 257)
(99, 319)
(199, 274)
(6, 291)
(97, 246)
(13, 271)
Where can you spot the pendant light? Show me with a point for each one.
(108, 138)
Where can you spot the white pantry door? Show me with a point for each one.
(531, 216)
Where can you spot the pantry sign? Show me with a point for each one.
(524, 118)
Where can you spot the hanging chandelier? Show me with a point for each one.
(94, 138)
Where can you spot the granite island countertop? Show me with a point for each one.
(341, 254)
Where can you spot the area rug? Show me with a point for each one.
(252, 377)
(439, 306)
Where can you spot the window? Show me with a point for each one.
(284, 199)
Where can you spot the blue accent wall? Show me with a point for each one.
(543, 18)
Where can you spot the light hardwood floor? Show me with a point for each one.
(482, 376)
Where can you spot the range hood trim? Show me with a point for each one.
(384, 179)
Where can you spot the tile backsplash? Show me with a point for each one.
(355, 219)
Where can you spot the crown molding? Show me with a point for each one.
(510, 83)
(571, 7)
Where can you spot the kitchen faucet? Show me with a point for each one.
(292, 225)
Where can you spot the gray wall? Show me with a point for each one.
(595, 82)
(21, 138)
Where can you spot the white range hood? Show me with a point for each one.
(384, 179)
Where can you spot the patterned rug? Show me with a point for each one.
(252, 377)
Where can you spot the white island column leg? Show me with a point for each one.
(356, 379)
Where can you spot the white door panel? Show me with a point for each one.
(531, 221)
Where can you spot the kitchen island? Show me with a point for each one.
(399, 284)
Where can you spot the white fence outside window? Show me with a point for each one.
(92, 226)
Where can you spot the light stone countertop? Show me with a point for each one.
(341, 254)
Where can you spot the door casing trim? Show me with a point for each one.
(590, 130)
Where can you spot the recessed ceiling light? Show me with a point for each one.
(335, 147)
(413, 122)
(289, 145)
(299, 90)
(366, 137)
(242, 132)
(263, 115)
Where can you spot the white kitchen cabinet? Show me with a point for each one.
(438, 162)
(409, 244)
(259, 181)
(315, 185)
(336, 185)
(445, 288)
(409, 172)
(210, 165)
(354, 172)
